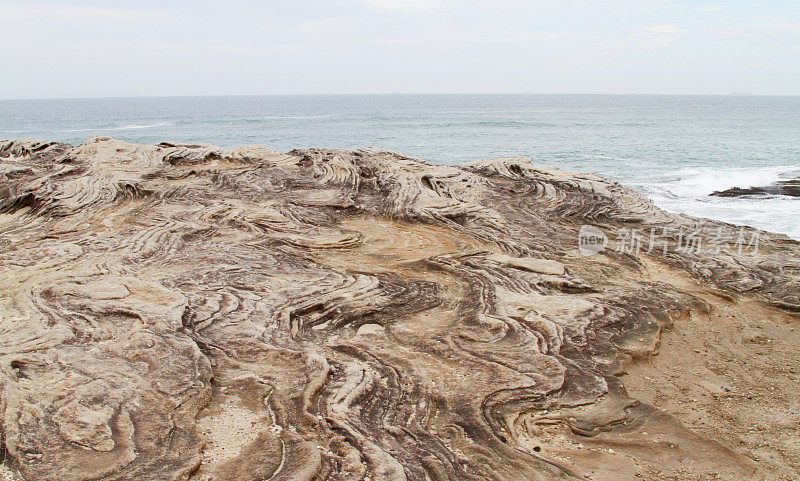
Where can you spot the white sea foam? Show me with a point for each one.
(772, 213)
(700, 182)
(687, 191)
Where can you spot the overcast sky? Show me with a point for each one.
(84, 48)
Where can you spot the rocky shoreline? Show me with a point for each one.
(190, 312)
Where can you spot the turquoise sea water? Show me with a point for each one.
(675, 149)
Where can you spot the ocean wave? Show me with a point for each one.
(293, 117)
(687, 191)
(112, 129)
(700, 182)
(262, 119)
(476, 123)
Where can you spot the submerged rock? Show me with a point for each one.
(188, 312)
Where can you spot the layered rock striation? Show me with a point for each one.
(189, 312)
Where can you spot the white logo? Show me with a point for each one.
(591, 240)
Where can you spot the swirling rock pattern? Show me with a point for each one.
(188, 312)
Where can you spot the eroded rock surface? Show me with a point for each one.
(188, 312)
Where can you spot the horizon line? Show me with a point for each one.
(730, 94)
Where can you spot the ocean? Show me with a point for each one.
(675, 149)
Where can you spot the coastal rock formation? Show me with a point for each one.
(188, 312)
(783, 187)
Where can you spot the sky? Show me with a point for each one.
(85, 48)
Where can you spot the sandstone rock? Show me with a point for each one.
(187, 312)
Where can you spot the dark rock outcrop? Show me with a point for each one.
(783, 187)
